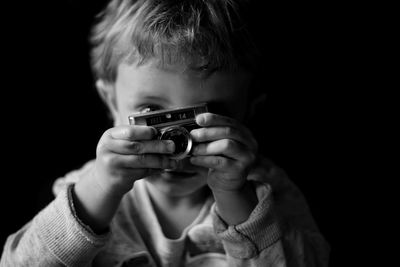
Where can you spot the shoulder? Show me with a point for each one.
(71, 177)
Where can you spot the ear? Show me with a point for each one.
(255, 104)
(107, 94)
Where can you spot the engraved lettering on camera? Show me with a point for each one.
(173, 124)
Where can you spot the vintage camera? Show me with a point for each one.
(173, 124)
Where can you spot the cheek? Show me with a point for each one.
(121, 115)
(123, 118)
(120, 119)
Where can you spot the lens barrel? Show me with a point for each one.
(181, 137)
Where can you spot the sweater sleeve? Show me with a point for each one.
(280, 231)
(255, 242)
(54, 237)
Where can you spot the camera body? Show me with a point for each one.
(173, 124)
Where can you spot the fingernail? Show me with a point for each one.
(154, 130)
(170, 146)
(200, 120)
(195, 150)
(194, 133)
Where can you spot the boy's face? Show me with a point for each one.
(154, 87)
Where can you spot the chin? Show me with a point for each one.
(178, 184)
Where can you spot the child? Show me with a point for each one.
(134, 205)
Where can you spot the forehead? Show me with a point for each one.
(179, 83)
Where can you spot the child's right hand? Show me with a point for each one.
(127, 153)
(124, 154)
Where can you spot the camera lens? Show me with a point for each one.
(181, 137)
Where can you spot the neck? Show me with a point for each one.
(175, 213)
(171, 202)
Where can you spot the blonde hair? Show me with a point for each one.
(134, 31)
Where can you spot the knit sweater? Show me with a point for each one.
(280, 231)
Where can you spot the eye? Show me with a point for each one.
(206, 68)
(149, 108)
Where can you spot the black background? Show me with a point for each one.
(53, 117)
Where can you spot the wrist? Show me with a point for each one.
(245, 188)
(106, 185)
(235, 206)
(94, 206)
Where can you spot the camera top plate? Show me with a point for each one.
(167, 117)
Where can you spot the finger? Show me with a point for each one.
(211, 119)
(132, 132)
(127, 147)
(223, 132)
(212, 162)
(226, 147)
(145, 161)
(136, 174)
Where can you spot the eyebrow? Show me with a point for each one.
(142, 98)
(153, 97)
(145, 95)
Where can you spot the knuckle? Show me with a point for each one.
(202, 134)
(164, 162)
(141, 159)
(229, 144)
(108, 133)
(126, 133)
(135, 147)
(212, 117)
(241, 165)
(109, 160)
(199, 149)
(101, 146)
(228, 131)
(162, 147)
(208, 117)
(198, 133)
(159, 161)
(247, 161)
(252, 158)
(218, 161)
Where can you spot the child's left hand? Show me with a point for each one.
(227, 148)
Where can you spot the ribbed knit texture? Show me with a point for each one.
(261, 230)
(56, 236)
(64, 236)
